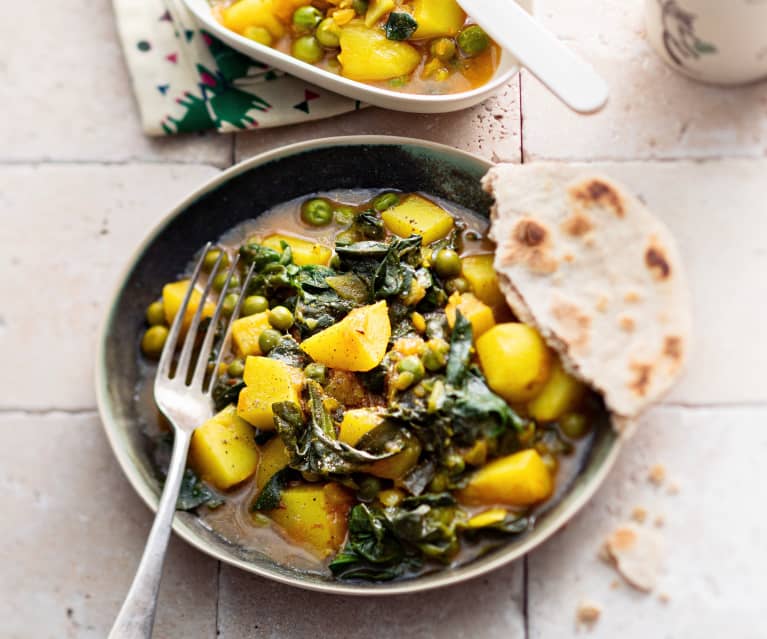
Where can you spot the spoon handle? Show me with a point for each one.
(566, 75)
(136, 617)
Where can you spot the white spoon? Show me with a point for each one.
(566, 75)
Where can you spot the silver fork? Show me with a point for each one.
(187, 403)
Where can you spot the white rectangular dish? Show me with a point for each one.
(414, 103)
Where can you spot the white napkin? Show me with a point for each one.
(187, 80)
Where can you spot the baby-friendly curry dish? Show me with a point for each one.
(379, 409)
(417, 46)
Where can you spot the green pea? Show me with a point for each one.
(335, 262)
(360, 7)
(439, 483)
(281, 318)
(328, 34)
(268, 340)
(317, 372)
(153, 341)
(344, 215)
(573, 425)
(236, 368)
(454, 463)
(345, 237)
(443, 49)
(412, 364)
(220, 281)
(260, 35)
(403, 381)
(434, 358)
(457, 285)
(447, 263)
(155, 314)
(369, 489)
(317, 212)
(307, 49)
(306, 18)
(210, 259)
(385, 201)
(254, 304)
(230, 301)
(473, 40)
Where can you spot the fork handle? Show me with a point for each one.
(136, 616)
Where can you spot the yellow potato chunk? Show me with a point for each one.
(304, 251)
(376, 11)
(357, 422)
(172, 298)
(267, 381)
(255, 13)
(479, 314)
(479, 272)
(515, 360)
(223, 451)
(416, 215)
(274, 457)
(368, 56)
(356, 343)
(246, 331)
(314, 516)
(520, 479)
(560, 394)
(437, 18)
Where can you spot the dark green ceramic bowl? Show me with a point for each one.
(234, 196)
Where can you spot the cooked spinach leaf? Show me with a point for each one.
(400, 26)
(269, 497)
(372, 551)
(289, 352)
(259, 255)
(318, 305)
(368, 225)
(225, 392)
(386, 268)
(312, 444)
(461, 342)
(195, 493)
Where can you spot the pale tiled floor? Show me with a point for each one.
(80, 186)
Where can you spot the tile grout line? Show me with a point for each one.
(218, 597)
(521, 122)
(133, 161)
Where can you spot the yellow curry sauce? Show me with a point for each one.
(511, 430)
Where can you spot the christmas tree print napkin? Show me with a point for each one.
(187, 80)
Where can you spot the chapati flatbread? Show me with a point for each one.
(600, 276)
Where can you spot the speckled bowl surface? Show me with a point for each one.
(241, 193)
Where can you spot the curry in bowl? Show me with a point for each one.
(379, 411)
(418, 46)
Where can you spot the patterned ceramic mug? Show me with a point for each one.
(718, 41)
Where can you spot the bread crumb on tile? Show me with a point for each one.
(615, 584)
(664, 597)
(659, 521)
(657, 474)
(673, 488)
(588, 613)
(636, 554)
(639, 514)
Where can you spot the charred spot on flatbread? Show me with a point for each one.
(577, 225)
(672, 347)
(626, 322)
(595, 192)
(529, 244)
(640, 382)
(573, 325)
(655, 260)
